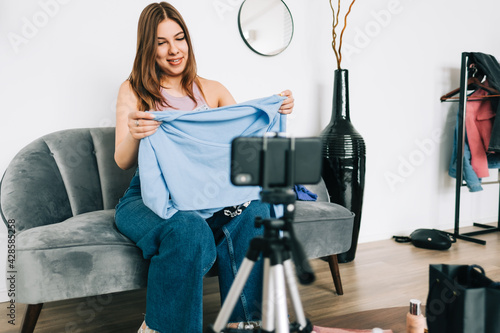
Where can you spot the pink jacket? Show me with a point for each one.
(478, 123)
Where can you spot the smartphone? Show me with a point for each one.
(275, 161)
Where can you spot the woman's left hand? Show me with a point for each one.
(287, 106)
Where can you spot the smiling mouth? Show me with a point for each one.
(175, 61)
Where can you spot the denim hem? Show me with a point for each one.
(151, 327)
(207, 268)
(472, 186)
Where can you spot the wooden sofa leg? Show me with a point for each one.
(31, 317)
(334, 269)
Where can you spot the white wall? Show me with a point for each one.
(402, 55)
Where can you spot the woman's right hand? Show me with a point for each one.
(142, 124)
(131, 126)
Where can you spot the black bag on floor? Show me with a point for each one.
(428, 239)
(462, 299)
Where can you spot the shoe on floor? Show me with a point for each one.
(246, 325)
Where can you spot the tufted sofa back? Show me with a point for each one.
(61, 175)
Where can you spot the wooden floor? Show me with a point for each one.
(385, 274)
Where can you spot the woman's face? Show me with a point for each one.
(172, 52)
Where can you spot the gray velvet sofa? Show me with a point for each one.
(58, 194)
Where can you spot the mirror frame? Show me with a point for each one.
(251, 47)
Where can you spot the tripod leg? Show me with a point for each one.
(294, 294)
(267, 299)
(278, 276)
(233, 295)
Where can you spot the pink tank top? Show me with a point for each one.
(185, 103)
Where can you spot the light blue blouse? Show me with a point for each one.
(185, 165)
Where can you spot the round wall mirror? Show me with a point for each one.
(266, 26)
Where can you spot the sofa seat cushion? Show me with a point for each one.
(82, 256)
(323, 228)
(93, 228)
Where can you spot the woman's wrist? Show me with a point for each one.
(126, 152)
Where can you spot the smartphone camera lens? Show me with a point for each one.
(243, 178)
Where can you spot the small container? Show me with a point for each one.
(415, 321)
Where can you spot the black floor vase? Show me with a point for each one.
(344, 159)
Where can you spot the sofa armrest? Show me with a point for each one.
(320, 190)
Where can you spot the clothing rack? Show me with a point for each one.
(468, 236)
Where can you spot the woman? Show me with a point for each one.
(183, 248)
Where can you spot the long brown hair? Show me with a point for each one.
(146, 74)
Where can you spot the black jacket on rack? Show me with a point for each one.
(489, 66)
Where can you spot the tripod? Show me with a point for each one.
(276, 252)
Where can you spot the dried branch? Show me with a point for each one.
(338, 53)
(334, 35)
(342, 33)
(338, 12)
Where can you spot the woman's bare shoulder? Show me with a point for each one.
(210, 85)
(216, 93)
(126, 96)
(126, 88)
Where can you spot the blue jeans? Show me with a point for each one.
(182, 250)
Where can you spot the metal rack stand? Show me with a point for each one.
(464, 73)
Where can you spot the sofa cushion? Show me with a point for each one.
(82, 256)
(323, 228)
